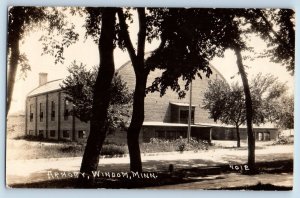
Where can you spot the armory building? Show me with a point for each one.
(48, 114)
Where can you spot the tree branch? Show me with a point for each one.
(142, 32)
(125, 35)
(278, 38)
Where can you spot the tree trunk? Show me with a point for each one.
(238, 139)
(137, 122)
(13, 66)
(248, 102)
(101, 96)
(141, 75)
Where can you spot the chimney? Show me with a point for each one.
(42, 78)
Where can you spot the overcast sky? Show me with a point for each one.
(86, 51)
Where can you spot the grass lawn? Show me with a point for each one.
(39, 148)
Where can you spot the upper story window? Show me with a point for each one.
(41, 113)
(184, 116)
(180, 113)
(52, 111)
(66, 110)
(30, 113)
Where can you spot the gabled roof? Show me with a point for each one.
(48, 87)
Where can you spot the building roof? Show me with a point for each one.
(167, 124)
(48, 87)
(182, 104)
(267, 125)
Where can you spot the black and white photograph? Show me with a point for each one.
(150, 98)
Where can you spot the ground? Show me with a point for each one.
(205, 169)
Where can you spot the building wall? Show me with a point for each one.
(31, 123)
(158, 108)
(174, 132)
(41, 115)
(53, 125)
(15, 125)
(224, 133)
(66, 122)
(81, 127)
(58, 126)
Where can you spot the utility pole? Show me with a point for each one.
(190, 115)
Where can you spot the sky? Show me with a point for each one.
(86, 51)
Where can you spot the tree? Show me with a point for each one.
(141, 73)
(18, 19)
(79, 86)
(101, 95)
(286, 112)
(218, 29)
(22, 20)
(100, 24)
(227, 103)
(187, 45)
(277, 28)
(282, 110)
(184, 41)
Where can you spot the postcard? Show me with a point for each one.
(151, 98)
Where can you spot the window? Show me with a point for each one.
(30, 113)
(81, 134)
(52, 111)
(41, 132)
(52, 133)
(41, 112)
(66, 114)
(260, 136)
(184, 116)
(266, 136)
(66, 110)
(66, 133)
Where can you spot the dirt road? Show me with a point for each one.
(28, 171)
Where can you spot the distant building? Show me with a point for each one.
(167, 117)
(15, 124)
(48, 114)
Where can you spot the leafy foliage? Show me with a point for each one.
(283, 112)
(180, 144)
(277, 28)
(282, 140)
(190, 38)
(227, 103)
(79, 86)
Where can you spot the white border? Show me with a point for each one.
(295, 4)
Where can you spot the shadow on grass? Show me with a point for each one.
(259, 186)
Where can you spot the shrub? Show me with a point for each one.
(71, 149)
(282, 140)
(181, 144)
(112, 150)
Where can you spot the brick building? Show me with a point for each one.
(47, 113)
